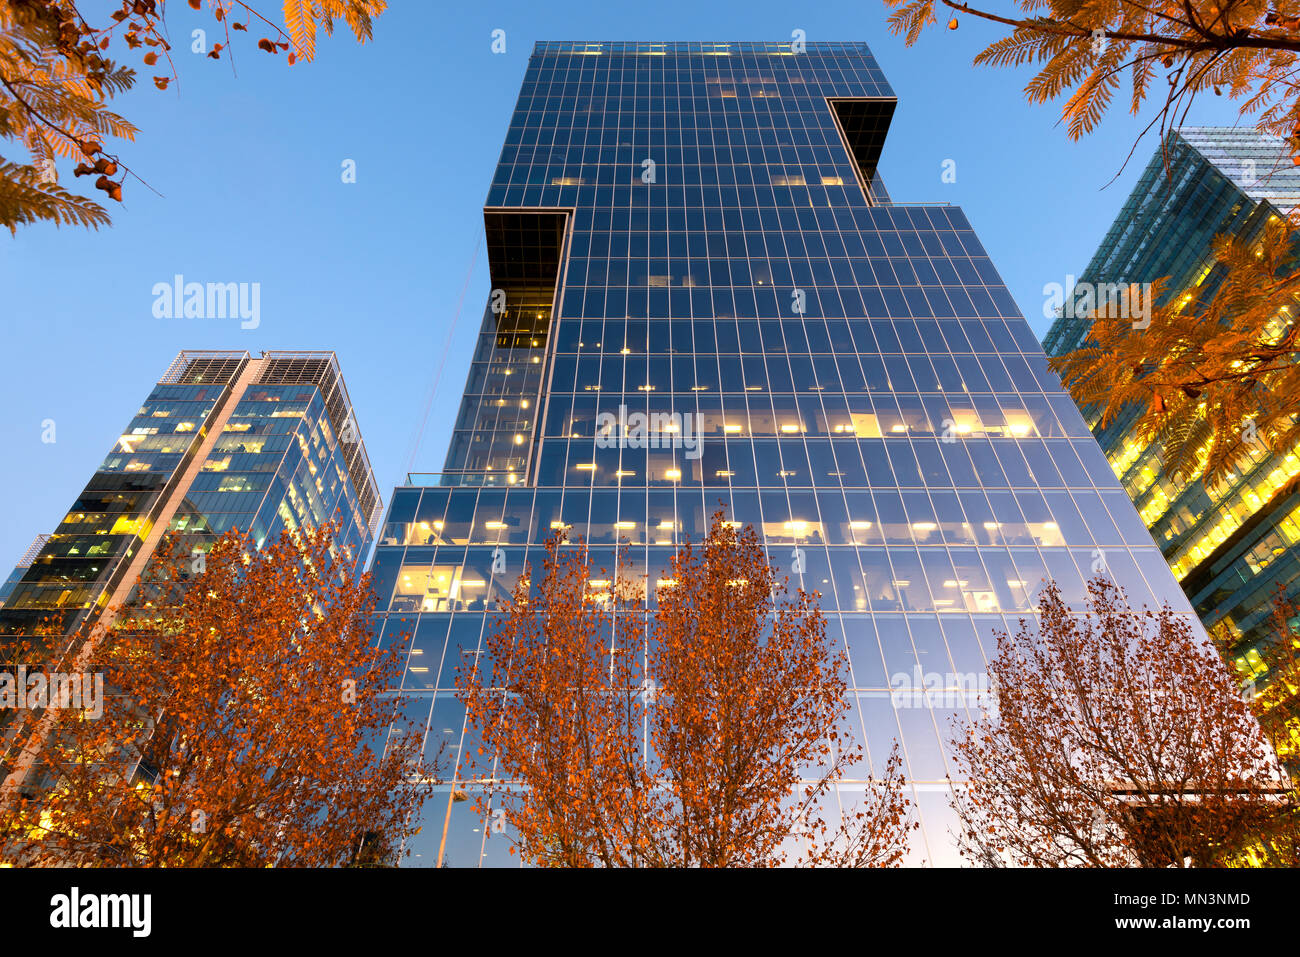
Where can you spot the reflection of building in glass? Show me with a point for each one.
(1232, 547)
(224, 440)
(698, 229)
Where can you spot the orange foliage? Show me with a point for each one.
(1118, 740)
(715, 737)
(245, 723)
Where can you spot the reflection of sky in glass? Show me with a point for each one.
(900, 439)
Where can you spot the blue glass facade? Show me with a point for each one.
(697, 233)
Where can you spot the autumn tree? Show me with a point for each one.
(1087, 52)
(1118, 740)
(1216, 385)
(57, 76)
(559, 698)
(706, 732)
(249, 720)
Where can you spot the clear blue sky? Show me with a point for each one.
(249, 166)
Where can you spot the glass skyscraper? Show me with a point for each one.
(1233, 546)
(224, 440)
(700, 229)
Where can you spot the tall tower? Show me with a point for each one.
(1233, 546)
(699, 229)
(224, 440)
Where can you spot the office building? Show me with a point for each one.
(1234, 546)
(699, 233)
(223, 440)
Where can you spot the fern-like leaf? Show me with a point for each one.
(25, 199)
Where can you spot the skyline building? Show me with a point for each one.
(1233, 546)
(698, 233)
(223, 440)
